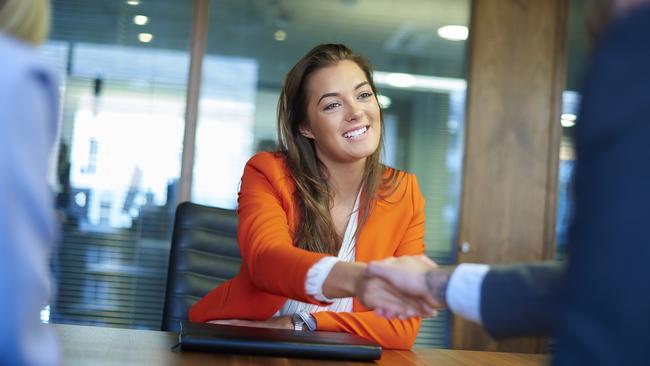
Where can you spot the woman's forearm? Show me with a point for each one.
(342, 279)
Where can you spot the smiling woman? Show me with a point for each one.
(343, 114)
(313, 213)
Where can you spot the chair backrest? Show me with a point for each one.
(204, 253)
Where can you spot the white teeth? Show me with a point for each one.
(354, 133)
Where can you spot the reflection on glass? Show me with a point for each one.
(578, 45)
(123, 105)
(224, 136)
(570, 107)
(110, 161)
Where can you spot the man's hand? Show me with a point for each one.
(406, 273)
(415, 280)
(376, 293)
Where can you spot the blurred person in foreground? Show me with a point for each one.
(28, 128)
(598, 305)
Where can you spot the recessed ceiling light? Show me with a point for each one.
(419, 82)
(400, 80)
(569, 116)
(280, 35)
(145, 37)
(384, 101)
(568, 120)
(140, 19)
(453, 32)
(133, 2)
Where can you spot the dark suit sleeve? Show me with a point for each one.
(520, 300)
(605, 318)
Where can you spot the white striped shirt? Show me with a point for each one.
(318, 273)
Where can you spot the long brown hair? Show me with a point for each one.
(315, 229)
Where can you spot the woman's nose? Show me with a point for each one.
(354, 114)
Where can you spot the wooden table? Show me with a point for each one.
(84, 345)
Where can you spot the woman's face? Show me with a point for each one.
(342, 114)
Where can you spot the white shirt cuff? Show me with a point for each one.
(316, 277)
(464, 290)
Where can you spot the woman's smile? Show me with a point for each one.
(357, 133)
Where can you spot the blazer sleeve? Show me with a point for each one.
(521, 300)
(395, 333)
(390, 334)
(273, 263)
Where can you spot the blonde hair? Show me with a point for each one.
(27, 20)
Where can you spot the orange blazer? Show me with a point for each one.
(273, 269)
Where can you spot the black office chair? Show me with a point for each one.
(204, 253)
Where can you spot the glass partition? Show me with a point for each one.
(577, 59)
(123, 69)
(419, 73)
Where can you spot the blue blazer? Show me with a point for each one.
(605, 318)
(598, 308)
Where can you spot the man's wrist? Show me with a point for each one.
(437, 281)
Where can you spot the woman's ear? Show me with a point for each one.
(305, 130)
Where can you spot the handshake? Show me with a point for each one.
(403, 287)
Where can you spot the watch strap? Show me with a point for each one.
(309, 320)
(303, 321)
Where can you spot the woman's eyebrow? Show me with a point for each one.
(335, 94)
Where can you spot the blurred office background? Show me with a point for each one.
(124, 67)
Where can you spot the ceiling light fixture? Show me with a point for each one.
(453, 32)
(133, 2)
(140, 19)
(384, 101)
(418, 82)
(280, 35)
(400, 80)
(145, 37)
(568, 120)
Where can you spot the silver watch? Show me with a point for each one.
(298, 323)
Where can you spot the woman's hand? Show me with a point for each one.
(390, 301)
(280, 322)
(403, 287)
(406, 273)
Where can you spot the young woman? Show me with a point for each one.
(312, 214)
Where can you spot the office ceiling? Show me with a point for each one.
(398, 36)
(395, 35)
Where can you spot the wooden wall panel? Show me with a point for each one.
(516, 78)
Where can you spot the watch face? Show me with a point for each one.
(298, 323)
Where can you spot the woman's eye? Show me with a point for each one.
(365, 95)
(331, 106)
